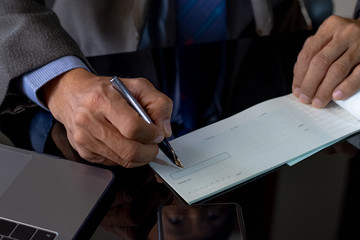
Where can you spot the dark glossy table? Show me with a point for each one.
(314, 199)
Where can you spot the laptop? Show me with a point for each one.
(46, 197)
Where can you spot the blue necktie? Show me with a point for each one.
(201, 21)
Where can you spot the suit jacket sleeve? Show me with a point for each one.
(30, 37)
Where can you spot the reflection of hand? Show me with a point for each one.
(61, 143)
(342, 147)
(101, 125)
(328, 65)
(139, 195)
(138, 198)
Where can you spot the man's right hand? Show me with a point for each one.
(101, 126)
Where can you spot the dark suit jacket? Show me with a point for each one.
(30, 36)
(98, 26)
(357, 10)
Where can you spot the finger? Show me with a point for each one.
(129, 156)
(119, 113)
(318, 68)
(349, 86)
(99, 141)
(127, 153)
(337, 72)
(313, 45)
(82, 136)
(85, 146)
(161, 110)
(133, 154)
(158, 106)
(104, 100)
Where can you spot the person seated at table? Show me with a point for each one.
(100, 125)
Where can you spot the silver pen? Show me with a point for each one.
(164, 145)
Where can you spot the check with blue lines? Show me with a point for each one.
(253, 142)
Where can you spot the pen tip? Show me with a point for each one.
(177, 161)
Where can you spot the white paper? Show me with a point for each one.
(250, 143)
(352, 105)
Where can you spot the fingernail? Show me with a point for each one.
(304, 99)
(338, 95)
(317, 103)
(296, 92)
(167, 128)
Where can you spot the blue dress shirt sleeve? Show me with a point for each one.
(32, 81)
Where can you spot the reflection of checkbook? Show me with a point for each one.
(45, 197)
(253, 142)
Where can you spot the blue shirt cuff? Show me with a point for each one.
(32, 81)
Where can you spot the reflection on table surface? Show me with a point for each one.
(314, 199)
(204, 221)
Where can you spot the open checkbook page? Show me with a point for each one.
(261, 138)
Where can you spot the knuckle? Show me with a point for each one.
(86, 154)
(339, 69)
(164, 103)
(132, 128)
(130, 155)
(356, 72)
(356, 45)
(333, 18)
(320, 62)
(305, 55)
(139, 82)
(81, 119)
(95, 99)
(353, 81)
(309, 41)
(352, 28)
(79, 138)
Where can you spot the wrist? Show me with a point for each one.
(60, 85)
